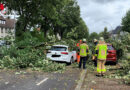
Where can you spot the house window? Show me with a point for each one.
(3, 22)
(6, 30)
(1, 30)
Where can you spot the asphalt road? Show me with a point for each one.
(39, 80)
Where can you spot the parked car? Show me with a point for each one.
(61, 53)
(111, 54)
(2, 42)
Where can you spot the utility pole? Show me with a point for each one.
(14, 26)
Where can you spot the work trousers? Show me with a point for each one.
(95, 61)
(83, 61)
(78, 57)
(101, 66)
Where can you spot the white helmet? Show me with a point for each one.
(84, 40)
(101, 39)
(95, 40)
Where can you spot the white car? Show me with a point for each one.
(61, 53)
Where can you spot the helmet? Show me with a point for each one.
(101, 39)
(84, 40)
(95, 40)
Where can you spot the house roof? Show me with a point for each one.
(116, 31)
(1, 18)
(9, 23)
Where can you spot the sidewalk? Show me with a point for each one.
(91, 82)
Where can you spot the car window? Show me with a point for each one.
(54, 48)
(110, 47)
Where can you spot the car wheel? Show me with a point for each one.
(116, 62)
(71, 61)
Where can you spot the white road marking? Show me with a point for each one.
(41, 81)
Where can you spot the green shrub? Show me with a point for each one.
(27, 58)
(125, 72)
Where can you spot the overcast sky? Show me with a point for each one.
(100, 13)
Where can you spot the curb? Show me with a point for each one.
(82, 76)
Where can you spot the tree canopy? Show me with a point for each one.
(105, 33)
(58, 16)
(93, 36)
(126, 22)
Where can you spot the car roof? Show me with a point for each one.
(109, 44)
(61, 45)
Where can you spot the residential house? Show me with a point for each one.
(6, 27)
(116, 32)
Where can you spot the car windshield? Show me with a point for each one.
(110, 47)
(55, 48)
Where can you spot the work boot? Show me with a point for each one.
(99, 75)
(84, 68)
(103, 74)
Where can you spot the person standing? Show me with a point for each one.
(78, 56)
(94, 57)
(83, 54)
(101, 57)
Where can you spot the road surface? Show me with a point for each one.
(9, 80)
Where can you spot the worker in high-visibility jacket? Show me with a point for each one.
(94, 56)
(101, 57)
(78, 45)
(83, 54)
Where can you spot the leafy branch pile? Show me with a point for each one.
(14, 58)
(27, 53)
(120, 43)
(123, 73)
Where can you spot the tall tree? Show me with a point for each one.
(93, 36)
(79, 32)
(69, 18)
(105, 34)
(56, 15)
(59, 16)
(126, 22)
